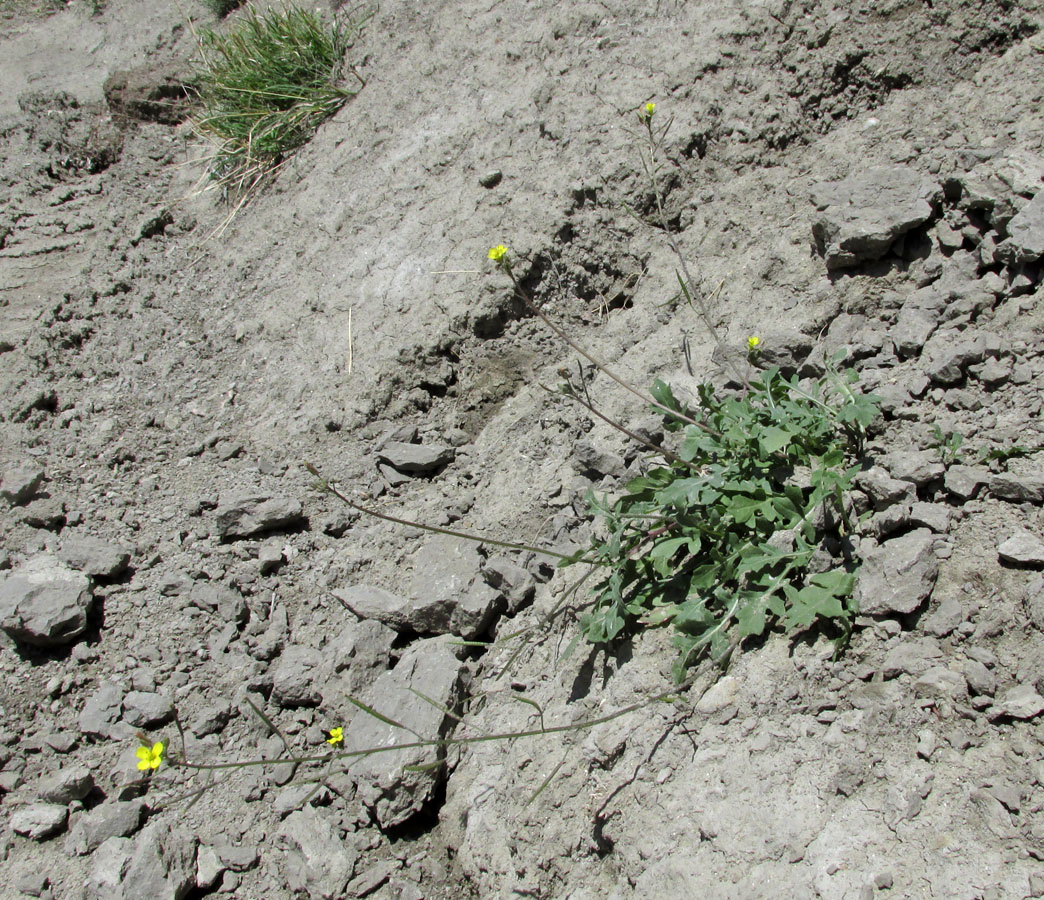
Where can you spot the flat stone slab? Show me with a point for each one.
(1025, 241)
(392, 793)
(862, 216)
(898, 575)
(247, 515)
(94, 556)
(1023, 548)
(45, 603)
(418, 458)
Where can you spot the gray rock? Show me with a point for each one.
(936, 516)
(108, 869)
(294, 681)
(917, 466)
(112, 819)
(101, 710)
(44, 602)
(392, 793)
(1023, 548)
(859, 336)
(21, 483)
(243, 516)
(208, 868)
(516, 584)
(318, 862)
(940, 682)
(1018, 488)
(270, 557)
(994, 816)
(369, 602)
(884, 490)
(994, 372)
(93, 555)
(913, 326)
(228, 604)
(147, 709)
(964, 481)
(861, 216)
(911, 657)
(995, 186)
(211, 719)
(1019, 702)
(47, 513)
(446, 580)
(898, 575)
(363, 645)
(947, 355)
(980, 679)
(70, 783)
(593, 460)
(416, 458)
(39, 820)
(945, 618)
(1025, 242)
(163, 865)
(31, 883)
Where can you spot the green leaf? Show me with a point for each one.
(773, 439)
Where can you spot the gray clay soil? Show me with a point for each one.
(868, 176)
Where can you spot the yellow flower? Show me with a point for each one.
(498, 253)
(150, 758)
(753, 341)
(650, 108)
(336, 736)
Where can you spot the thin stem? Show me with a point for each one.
(586, 404)
(450, 741)
(597, 363)
(435, 529)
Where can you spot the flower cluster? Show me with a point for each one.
(336, 736)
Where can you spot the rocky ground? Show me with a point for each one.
(839, 176)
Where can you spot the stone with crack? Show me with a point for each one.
(898, 575)
(44, 602)
(247, 515)
(393, 793)
(860, 217)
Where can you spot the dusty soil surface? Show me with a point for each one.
(839, 175)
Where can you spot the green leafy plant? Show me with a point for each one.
(720, 539)
(266, 85)
(948, 443)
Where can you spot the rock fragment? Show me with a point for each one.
(863, 215)
(67, 784)
(392, 793)
(1027, 487)
(20, 484)
(319, 863)
(101, 710)
(247, 515)
(898, 575)
(93, 556)
(39, 821)
(44, 602)
(1019, 702)
(1025, 241)
(1023, 548)
(964, 481)
(296, 677)
(112, 819)
(416, 458)
(163, 865)
(147, 709)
